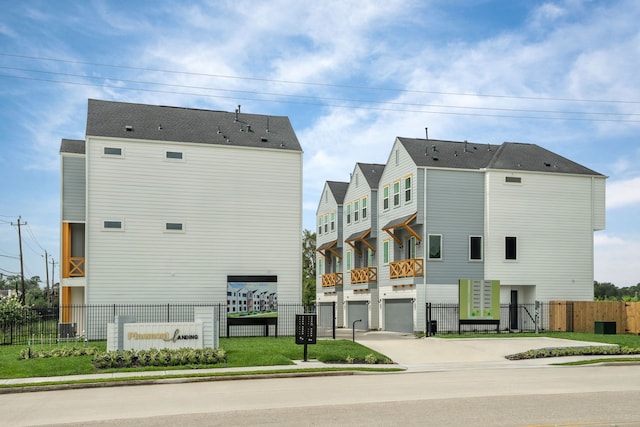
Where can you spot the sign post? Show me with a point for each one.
(306, 330)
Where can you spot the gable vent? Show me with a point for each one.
(128, 128)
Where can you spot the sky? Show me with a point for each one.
(350, 75)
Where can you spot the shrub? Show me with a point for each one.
(162, 357)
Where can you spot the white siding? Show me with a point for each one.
(241, 210)
(551, 215)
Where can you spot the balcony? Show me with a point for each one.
(364, 275)
(332, 280)
(76, 267)
(406, 268)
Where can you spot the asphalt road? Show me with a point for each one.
(527, 396)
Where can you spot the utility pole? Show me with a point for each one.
(53, 277)
(22, 294)
(46, 266)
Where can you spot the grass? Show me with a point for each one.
(623, 340)
(241, 352)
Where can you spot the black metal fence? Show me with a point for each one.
(90, 322)
(444, 319)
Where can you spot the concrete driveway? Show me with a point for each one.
(455, 353)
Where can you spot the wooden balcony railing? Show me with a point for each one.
(406, 268)
(364, 275)
(76, 267)
(332, 279)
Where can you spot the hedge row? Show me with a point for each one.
(159, 357)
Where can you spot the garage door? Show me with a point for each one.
(358, 310)
(325, 314)
(398, 315)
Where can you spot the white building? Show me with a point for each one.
(164, 204)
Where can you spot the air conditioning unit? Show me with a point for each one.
(67, 330)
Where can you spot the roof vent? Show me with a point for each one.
(219, 131)
(263, 139)
(435, 158)
(455, 153)
(465, 146)
(547, 164)
(433, 147)
(282, 145)
(128, 128)
(267, 124)
(426, 131)
(248, 128)
(160, 127)
(488, 147)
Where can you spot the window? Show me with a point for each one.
(396, 193)
(370, 259)
(510, 248)
(112, 151)
(385, 197)
(385, 252)
(513, 179)
(411, 247)
(435, 246)
(407, 189)
(349, 213)
(320, 266)
(364, 208)
(333, 221)
(113, 225)
(397, 157)
(356, 210)
(348, 261)
(176, 155)
(326, 223)
(320, 224)
(475, 248)
(173, 226)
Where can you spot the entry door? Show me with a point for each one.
(513, 311)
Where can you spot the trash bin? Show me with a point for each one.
(432, 327)
(607, 328)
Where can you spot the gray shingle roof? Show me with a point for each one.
(531, 157)
(448, 154)
(509, 156)
(372, 173)
(163, 123)
(338, 189)
(75, 146)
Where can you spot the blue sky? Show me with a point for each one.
(350, 75)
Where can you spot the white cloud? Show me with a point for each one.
(616, 259)
(623, 193)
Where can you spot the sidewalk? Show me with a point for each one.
(408, 353)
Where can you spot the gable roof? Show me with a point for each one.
(507, 156)
(177, 124)
(448, 154)
(372, 173)
(338, 189)
(531, 157)
(75, 146)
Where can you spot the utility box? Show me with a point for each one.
(67, 330)
(606, 328)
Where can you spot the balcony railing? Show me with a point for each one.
(364, 275)
(331, 280)
(76, 267)
(406, 268)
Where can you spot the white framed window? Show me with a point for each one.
(113, 225)
(349, 213)
(396, 193)
(511, 248)
(475, 248)
(385, 197)
(112, 152)
(411, 248)
(364, 208)
(326, 223)
(385, 251)
(407, 188)
(320, 224)
(174, 155)
(174, 227)
(356, 211)
(348, 260)
(320, 266)
(513, 180)
(435, 246)
(333, 221)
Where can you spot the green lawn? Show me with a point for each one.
(241, 352)
(623, 340)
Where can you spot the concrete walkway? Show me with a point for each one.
(408, 353)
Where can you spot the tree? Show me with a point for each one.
(308, 267)
(610, 292)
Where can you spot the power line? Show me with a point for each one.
(318, 98)
(30, 231)
(328, 105)
(188, 73)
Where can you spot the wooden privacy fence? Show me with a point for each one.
(581, 316)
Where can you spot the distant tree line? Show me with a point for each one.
(609, 292)
(35, 296)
